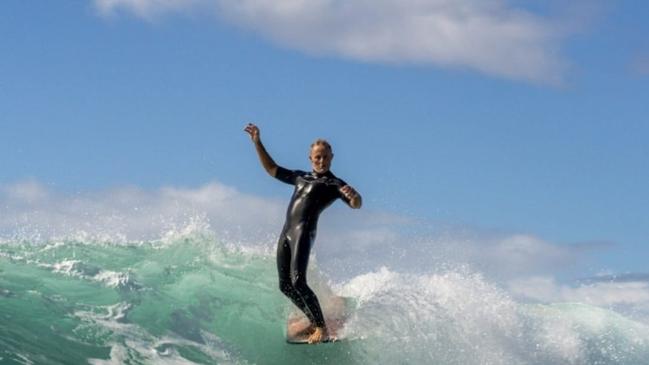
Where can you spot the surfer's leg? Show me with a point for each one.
(299, 263)
(284, 274)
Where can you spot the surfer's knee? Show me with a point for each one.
(286, 287)
(298, 282)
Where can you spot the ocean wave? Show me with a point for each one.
(191, 298)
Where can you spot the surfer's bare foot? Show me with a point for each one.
(307, 331)
(319, 334)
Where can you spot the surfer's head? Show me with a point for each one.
(321, 156)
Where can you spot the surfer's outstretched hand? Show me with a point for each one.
(253, 131)
(349, 192)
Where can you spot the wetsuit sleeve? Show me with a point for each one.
(286, 175)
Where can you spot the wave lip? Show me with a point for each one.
(77, 268)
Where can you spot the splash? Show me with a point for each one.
(194, 298)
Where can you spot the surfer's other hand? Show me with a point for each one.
(253, 131)
(348, 192)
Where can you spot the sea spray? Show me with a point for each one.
(194, 298)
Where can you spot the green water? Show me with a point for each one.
(186, 300)
(198, 300)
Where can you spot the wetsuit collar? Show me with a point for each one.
(326, 174)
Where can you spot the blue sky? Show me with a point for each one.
(509, 118)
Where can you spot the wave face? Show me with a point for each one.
(195, 299)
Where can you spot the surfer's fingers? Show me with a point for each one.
(349, 191)
(252, 130)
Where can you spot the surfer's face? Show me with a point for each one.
(320, 157)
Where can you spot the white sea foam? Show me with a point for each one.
(458, 317)
(129, 342)
(25, 360)
(77, 268)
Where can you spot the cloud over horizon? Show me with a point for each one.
(491, 37)
(623, 295)
(32, 211)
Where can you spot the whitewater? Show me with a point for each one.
(196, 298)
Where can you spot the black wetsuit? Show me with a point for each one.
(313, 193)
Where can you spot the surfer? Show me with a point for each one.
(314, 191)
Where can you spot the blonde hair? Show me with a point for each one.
(322, 142)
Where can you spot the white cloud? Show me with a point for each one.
(147, 9)
(518, 254)
(605, 294)
(30, 211)
(403, 244)
(26, 192)
(489, 36)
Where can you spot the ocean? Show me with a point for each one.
(195, 298)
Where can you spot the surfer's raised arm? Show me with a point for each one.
(266, 161)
